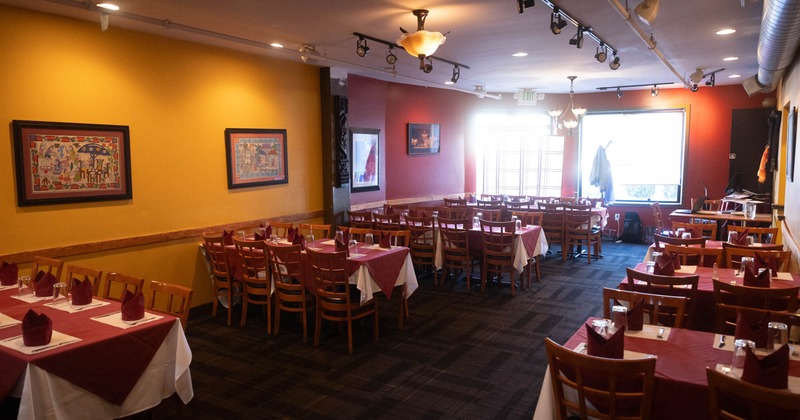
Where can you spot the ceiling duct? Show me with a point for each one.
(777, 43)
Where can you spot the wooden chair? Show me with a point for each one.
(701, 257)
(121, 282)
(707, 230)
(398, 237)
(490, 203)
(767, 235)
(290, 291)
(658, 307)
(661, 240)
(454, 212)
(360, 233)
(454, 235)
(498, 252)
(423, 244)
(734, 253)
(567, 200)
(256, 282)
(75, 272)
(529, 217)
(319, 231)
(733, 398)
(394, 208)
(281, 228)
(683, 286)
(623, 388)
(455, 202)
(48, 265)
(170, 299)
(727, 315)
(553, 228)
(491, 197)
(518, 205)
(710, 205)
(658, 220)
(360, 219)
(579, 232)
(336, 299)
(222, 273)
(727, 295)
(492, 215)
(386, 221)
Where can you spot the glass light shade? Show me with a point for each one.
(421, 43)
(579, 112)
(555, 112)
(570, 124)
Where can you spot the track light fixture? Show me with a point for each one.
(557, 23)
(390, 57)
(577, 40)
(361, 47)
(712, 80)
(614, 63)
(456, 74)
(698, 76)
(619, 93)
(654, 91)
(602, 53)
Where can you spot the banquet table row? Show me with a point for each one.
(96, 366)
(681, 389)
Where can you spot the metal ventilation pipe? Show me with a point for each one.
(778, 41)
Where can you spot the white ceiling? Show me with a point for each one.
(483, 34)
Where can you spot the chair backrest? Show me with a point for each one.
(360, 219)
(706, 230)
(774, 298)
(454, 234)
(553, 222)
(386, 221)
(617, 388)
(655, 208)
(763, 235)
(331, 279)
(423, 239)
(734, 253)
(498, 239)
(685, 286)
(423, 211)
(254, 261)
(360, 233)
(692, 255)
(567, 200)
(398, 237)
(319, 231)
(489, 203)
(394, 208)
(171, 299)
(281, 228)
(491, 197)
(48, 265)
(661, 240)
(660, 308)
(728, 314)
(577, 207)
(286, 267)
(215, 249)
(519, 205)
(529, 217)
(455, 202)
(492, 215)
(122, 282)
(454, 212)
(711, 205)
(75, 272)
(551, 206)
(577, 222)
(733, 398)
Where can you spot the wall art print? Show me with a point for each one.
(71, 162)
(256, 157)
(423, 139)
(365, 146)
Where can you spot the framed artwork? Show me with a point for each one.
(60, 163)
(791, 143)
(423, 139)
(256, 157)
(365, 169)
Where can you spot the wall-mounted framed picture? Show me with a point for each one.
(365, 170)
(791, 143)
(256, 156)
(59, 163)
(423, 139)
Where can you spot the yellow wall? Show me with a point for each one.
(177, 98)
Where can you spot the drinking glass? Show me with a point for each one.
(369, 240)
(686, 235)
(59, 293)
(310, 240)
(779, 334)
(747, 264)
(354, 245)
(273, 238)
(619, 318)
(24, 286)
(737, 363)
(601, 326)
(518, 224)
(240, 234)
(476, 222)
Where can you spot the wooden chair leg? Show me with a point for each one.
(277, 316)
(317, 325)
(243, 322)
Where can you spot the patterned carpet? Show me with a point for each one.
(461, 355)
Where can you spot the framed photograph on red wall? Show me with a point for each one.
(59, 163)
(256, 156)
(423, 139)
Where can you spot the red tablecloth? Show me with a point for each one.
(681, 389)
(528, 234)
(108, 361)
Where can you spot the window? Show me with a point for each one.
(518, 156)
(645, 150)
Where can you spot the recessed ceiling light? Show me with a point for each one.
(108, 6)
(520, 54)
(730, 58)
(734, 76)
(449, 82)
(276, 45)
(726, 31)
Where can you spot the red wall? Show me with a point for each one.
(367, 106)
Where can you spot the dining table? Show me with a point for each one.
(528, 243)
(710, 243)
(681, 388)
(96, 365)
(704, 310)
(722, 217)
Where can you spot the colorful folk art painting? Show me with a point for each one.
(256, 157)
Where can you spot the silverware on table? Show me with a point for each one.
(142, 320)
(10, 339)
(56, 345)
(660, 333)
(721, 341)
(91, 305)
(108, 314)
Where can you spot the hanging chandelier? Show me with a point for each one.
(569, 122)
(421, 44)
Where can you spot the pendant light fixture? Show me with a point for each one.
(570, 122)
(421, 44)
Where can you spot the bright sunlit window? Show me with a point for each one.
(517, 156)
(645, 149)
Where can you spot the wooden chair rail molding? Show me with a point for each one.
(412, 200)
(112, 244)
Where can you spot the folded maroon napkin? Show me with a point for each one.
(636, 316)
(612, 347)
(300, 240)
(754, 330)
(771, 262)
(227, 237)
(386, 240)
(37, 329)
(132, 306)
(664, 266)
(81, 292)
(257, 236)
(771, 371)
(671, 257)
(291, 233)
(43, 284)
(344, 244)
(756, 280)
(8, 273)
(740, 238)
